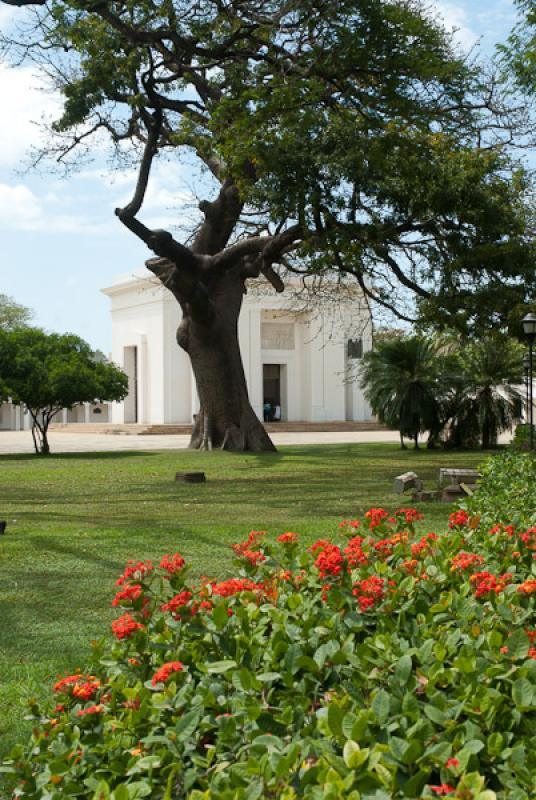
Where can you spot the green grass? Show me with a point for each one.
(73, 521)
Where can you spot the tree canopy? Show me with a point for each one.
(353, 133)
(49, 371)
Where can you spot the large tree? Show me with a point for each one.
(342, 135)
(50, 371)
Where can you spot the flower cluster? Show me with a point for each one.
(82, 687)
(161, 675)
(459, 518)
(177, 603)
(485, 583)
(288, 538)
(172, 563)
(376, 516)
(128, 595)
(243, 549)
(329, 560)
(125, 626)
(234, 586)
(369, 592)
(135, 569)
(464, 561)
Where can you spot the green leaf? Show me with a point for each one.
(335, 718)
(518, 644)
(403, 668)
(353, 755)
(220, 616)
(218, 667)
(380, 705)
(523, 693)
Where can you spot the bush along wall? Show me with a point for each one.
(379, 663)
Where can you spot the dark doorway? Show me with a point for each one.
(271, 384)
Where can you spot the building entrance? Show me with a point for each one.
(272, 379)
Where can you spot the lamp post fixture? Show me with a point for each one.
(529, 327)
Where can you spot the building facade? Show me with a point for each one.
(301, 357)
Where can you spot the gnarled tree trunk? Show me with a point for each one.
(226, 418)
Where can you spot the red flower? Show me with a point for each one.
(253, 556)
(172, 564)
(130, 594)
(234, 586)
(178, 602)
(445, 788)
(376, 517)
(125, 626)
(527, 587)
(452, 762)
(354, 552)
(349, 523)
(288, 538)
(409, 514)
(85, 691)
(486, 583)
(369, 592)
(135, 569)
(329, 561)
(161, 675)
(96, 709)
(460, 517)
(242, 547)
(61, 685)
(463, 561)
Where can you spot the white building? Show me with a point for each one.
(302, 357)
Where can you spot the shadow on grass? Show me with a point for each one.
(87, 456)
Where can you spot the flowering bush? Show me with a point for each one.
(380, 665)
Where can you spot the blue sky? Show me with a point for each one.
(60, 241)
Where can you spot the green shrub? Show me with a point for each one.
(383, 665)
(521, 439)
(507, 490)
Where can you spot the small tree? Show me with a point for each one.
(50, 371)
(401, 382)
(488, 400)
(13, 315)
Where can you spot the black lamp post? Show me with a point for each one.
(529, 327)
(526, 367)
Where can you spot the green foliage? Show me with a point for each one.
(401, 382)
(383, 665)
(49, 371)
(519, 55)
(507, 491)
(464, 390)
(13, 315)
(487, 400)
(522, 437)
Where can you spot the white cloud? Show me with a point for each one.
(25, 104)
(455, 19)
(23, 210)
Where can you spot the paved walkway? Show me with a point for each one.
(21, 441)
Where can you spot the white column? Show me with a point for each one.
(255, 361)
(87, 417)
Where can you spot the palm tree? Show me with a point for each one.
(489, 401)
(401, 379)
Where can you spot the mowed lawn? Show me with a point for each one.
(75, 519)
